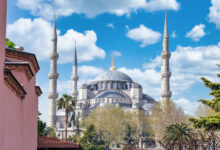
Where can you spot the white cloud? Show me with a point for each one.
(116, 54)
(149, 79)
(188, 64)
(155, 5)
(35, 35)
(189, 107)
(144, 35)
(89, 71)
(92, 8)
(110, 25)
(174, 35)
(214, 13)
(197, 32)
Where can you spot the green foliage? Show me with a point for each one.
(90, 140)
(210, 122)
(177, 134)
(10, 44)
(128, 138)
(207, 123)
(67, 103)
(112, 122)
(43, 130)
(48, 131)
(41, 125)
(75, 138)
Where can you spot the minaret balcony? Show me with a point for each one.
(74, 94)
(54, 56)
(166, 74)
(166, 94)
(165, 55)
(75, 78)
(52, 95)
(53, 75)
(54, 39)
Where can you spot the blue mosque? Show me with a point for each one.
(109, 88)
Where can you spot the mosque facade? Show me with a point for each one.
(109, 88)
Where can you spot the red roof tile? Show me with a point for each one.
(49, 142)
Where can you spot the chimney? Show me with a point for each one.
(19, 48)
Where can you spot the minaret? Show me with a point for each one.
(112, 68)
(75, 76)
(165, 72)
(53, 75)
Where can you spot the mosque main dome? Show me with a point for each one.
(113, 75)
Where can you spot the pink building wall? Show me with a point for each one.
(18, 117)
(3, 6)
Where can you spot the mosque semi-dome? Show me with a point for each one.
(110, 94)
(113, 75)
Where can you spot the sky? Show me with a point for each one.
(129, 30)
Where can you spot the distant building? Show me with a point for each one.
(18, 94)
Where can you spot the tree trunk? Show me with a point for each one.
(66, 121)
(180, 146)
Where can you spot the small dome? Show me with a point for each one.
(110, 94)
(113, 76)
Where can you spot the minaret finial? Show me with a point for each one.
(54, 36)
(112, 67)
(75, 76)
(75, 55)
(165, 34)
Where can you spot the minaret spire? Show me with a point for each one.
(165, 72)
(113, 66)
(75, 74)
(53, 76)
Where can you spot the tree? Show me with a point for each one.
(163, 115)
(177, 134)
(128, 138)
(211, 122)
(109, 123)
(67, 103)
(41, 125)
(140, 125)
(10, 44)
(204, 111)
(48, 131)
(90, 140)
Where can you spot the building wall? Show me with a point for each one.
(18, 126)
(20, 117)
(3, 4)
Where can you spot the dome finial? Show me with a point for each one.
(113, 67)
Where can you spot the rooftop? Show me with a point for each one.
(49, 142)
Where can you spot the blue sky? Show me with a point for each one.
(131, 30)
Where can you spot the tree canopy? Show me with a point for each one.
(91, 140)
(211, 122)
(163, 115)
(10, 44)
